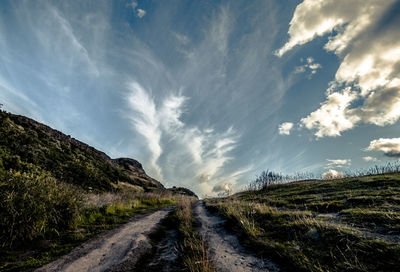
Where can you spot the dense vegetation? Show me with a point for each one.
(56, 192)
(350, 224)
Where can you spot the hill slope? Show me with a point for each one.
(350, 224)
(26, 144)
(56, 192)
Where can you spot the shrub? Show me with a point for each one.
(34, 205)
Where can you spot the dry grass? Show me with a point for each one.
(342, 225)
(195, 255)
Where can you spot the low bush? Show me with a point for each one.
(34, 205)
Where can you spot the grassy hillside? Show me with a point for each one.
(28, 146)
(56, 192)
(350, 224)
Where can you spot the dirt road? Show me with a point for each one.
(117, 250)
(224, 249)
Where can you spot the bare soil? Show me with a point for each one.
(225, 251)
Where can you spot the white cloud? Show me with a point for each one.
(284, 128)
(146, 122)
(389, 146)
(369, 158)
(332, 174)
(310, 66)
(181, 148)
(338, 163)
(141, 13)
(332, 117)
(370, 61)
(138, 11)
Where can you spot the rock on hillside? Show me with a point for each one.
(135, 171)
(182, 191)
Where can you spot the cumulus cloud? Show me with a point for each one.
(369, 159)
(332, 174)
(338, 163)
(366, 88)
(285, 128)
(310, 67)
(332, 117)
(389, 146)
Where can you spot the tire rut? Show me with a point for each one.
(225, 250)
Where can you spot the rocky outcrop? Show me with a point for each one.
(135, 171)
(182, 191)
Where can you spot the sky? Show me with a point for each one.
(207, 94)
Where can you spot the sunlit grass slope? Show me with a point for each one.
(350, 224)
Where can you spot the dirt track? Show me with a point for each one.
(225, 251)
(116, 250)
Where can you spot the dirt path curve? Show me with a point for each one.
(224, 249)
(116, 250)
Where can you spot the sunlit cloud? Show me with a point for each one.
(369, 159)
(332, 174)
(285, 128)
(389, 146)
(370, 59)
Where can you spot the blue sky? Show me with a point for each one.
(207, 94)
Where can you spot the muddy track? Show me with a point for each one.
(225, 251)
(116, 250)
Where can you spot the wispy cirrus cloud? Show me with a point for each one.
(147, 123)
(204, 152)
(367, 84)
(202, 92)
